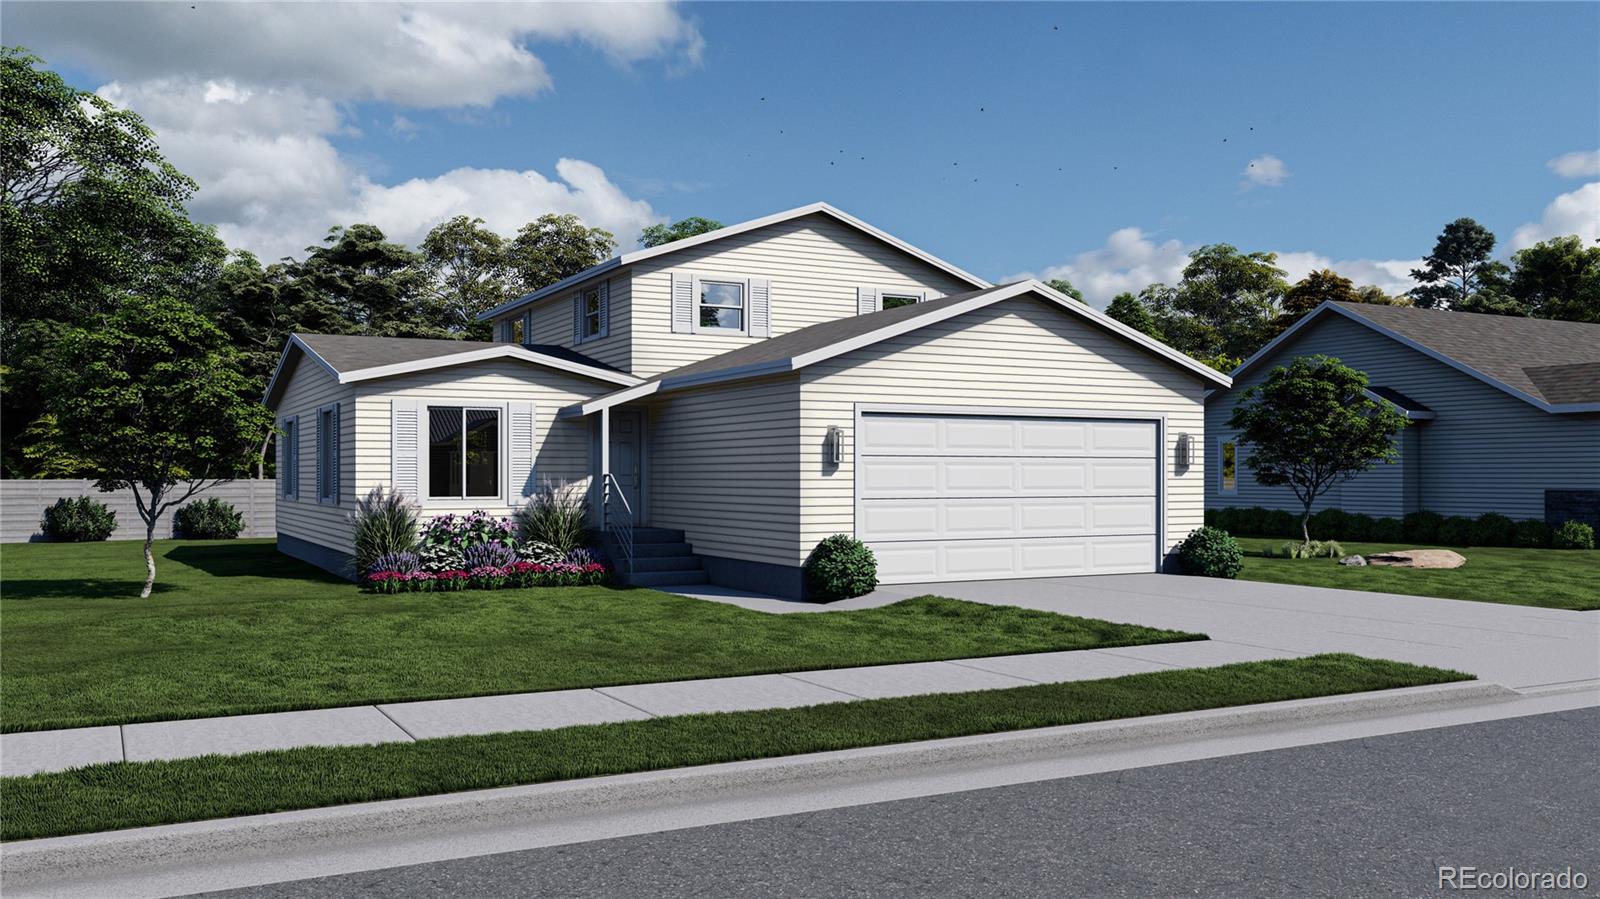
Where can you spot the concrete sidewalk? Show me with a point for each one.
(55, 750)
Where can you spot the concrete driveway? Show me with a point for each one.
(1517, 646)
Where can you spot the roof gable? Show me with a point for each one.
(808, 346)
(688, 243)
(1525, 357)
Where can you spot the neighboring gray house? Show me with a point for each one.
(1505, 413)
(733, 398)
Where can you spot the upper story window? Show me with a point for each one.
(591, 312)
(1228, 470)
(871, 299)
(721, 306)
(463, 452)
(514, 330)
(891, 300)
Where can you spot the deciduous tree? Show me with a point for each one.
(552, 247)
(469, 268)
(656, 235)
(1126, 308)
(1062, 285)
(1558, 278)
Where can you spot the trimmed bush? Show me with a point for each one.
(1455, 531)
(384, 523)
(1493, 529)
(1211, 552)
(1421, 527)
(1387, 530)
(1573, 535)
(1277, 522)
(209, 519)
(78, 520)
(558, 514)
(1533, 533)
(840, 567)
(1328, 524)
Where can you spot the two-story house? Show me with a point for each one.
(735, 397)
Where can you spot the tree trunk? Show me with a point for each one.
(1305, 525)
(149, 559)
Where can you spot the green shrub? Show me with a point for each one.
(1329, 523)
(1279, 523)
(840, 567)
(557, 515)
(1421, 527)
(1316, 549)
(1493, 529)
(384, 523)
(1211, 552)
(1573, 535)
(209, 519)
(1533, 533)
(79, 520)
(1357, 526)
(1386, 530)
(1455, 531)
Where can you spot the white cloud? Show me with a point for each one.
(245, 98)
(1131, 261)
(1264, 171)
(1577, 212)
(1577, 164)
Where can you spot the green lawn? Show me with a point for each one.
(1548, 578)
(124, 794)
(234, 628)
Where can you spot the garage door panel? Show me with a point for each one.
(901, 521)
(977, 477)
(997, 436)
(1052, 518)
(1122, 438)
(984, 518)
(1113, 478)
(923, 561)
(900, 477)
(900, 433)
(1131, 516)
(1052, 437)
(1121, 555)
(1053, 476)
(975, 560)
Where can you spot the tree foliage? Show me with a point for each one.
(1126, 308)
(553, 247)
(1062, 285)
(1559, 278)
(1226, 306)
(1309, 426)
(1460, 266)
(1321, 286)
(153, 398)
(469, 271)
(656, 235)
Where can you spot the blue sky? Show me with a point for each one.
(1009, 138)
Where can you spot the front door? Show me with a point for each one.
(627, 458)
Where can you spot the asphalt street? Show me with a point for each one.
(1369, 817)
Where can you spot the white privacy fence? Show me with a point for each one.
(22, 504)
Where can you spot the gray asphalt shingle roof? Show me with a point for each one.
(349, 352)
(1556, 361)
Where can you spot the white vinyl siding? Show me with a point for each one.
(558, 448)
(1017, 354)
(310, 387)
(1485, 451)
(550, 321)
(813, 264)
(725, 465)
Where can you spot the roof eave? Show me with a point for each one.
(487, 353)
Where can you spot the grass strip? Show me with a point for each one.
(136, 794)
(236, 628)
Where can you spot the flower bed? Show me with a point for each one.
(489, 577)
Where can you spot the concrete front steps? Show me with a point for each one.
(661, 558)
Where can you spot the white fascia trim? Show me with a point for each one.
(733, 231)
(549, 289)
(509, 350)
(1412, 344)
(294, 343)
(1408, 413)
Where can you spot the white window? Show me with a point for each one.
(463, 452)
(1228, 467)
(328, 454)
(721, 306)
(593, 314)
(289, 458)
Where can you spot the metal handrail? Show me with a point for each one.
(619, 527)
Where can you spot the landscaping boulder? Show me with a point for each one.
(1354, 561)
(1418, 558)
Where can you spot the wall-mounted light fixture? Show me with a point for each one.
(833, 445)
(1185, 447)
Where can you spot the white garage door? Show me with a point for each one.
(969, 497)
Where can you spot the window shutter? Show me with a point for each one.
(866, 300)
(283, 460)
(334, 456)
(605, 308)
(682, 303)
(322, 441)
(520, 433)
(760, 307)
(577, 319)
(405, 447)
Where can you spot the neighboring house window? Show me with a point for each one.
(721, 306)
(516, 330)
(1228, 470)
(289, 460)
(328, 454)
(896, 300)
(591, 313)
(463, 452)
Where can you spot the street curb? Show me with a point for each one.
(31, 863)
